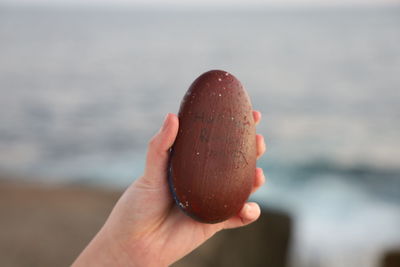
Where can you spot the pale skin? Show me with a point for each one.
(146, 228)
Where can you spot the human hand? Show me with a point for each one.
(146, 228)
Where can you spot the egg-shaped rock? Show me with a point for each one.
(213, 160)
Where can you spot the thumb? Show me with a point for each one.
(248, 214)
(158, 151)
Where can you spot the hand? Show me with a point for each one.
(146, 228)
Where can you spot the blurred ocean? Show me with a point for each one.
(82, 90)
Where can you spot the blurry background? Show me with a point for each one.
(84, 85)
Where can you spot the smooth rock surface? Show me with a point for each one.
(213, 159)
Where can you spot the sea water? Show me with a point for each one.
(83, 89)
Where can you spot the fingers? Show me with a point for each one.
(261, 147)
(259, 180)
(248, 214)
(256, 116)
(158, 150)
(260, 143)
(250, 211)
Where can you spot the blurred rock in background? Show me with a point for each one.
(44, 226)
(47, 226)
(391, 259)
(263, 243)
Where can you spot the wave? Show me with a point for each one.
(381, 182)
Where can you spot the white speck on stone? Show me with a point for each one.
(197, 153)
(186, 203)
(226, 74)
(225, 206)
(223, 88)
(219, 95)
(232, 118)
(181, 205)
(219, 79)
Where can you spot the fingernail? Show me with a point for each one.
(165, 123)
(252, 210)
(249, 209)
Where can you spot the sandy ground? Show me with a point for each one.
(49, 226)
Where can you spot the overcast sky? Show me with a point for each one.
(212, 2)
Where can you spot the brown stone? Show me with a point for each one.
(213, 159)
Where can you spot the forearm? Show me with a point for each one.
(102, 251)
